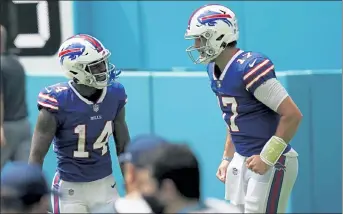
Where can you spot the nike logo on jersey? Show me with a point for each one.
(114, 185)
(252, 64)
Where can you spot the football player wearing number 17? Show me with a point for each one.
(79, 116)
(259, 167)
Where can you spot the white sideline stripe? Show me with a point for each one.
(182, 73)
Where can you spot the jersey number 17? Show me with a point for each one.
(226, 102)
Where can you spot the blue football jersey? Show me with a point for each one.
(250, 122)
(83, 129)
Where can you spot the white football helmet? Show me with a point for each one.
(84, 59)
(213, 26)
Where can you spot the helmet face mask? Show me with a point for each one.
(100, 71)
(202, 48)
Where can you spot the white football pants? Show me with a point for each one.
(84, 197)
(268, 193)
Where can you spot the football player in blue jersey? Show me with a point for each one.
(79, 116)
(259, 167)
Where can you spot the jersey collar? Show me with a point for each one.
(102, 97)
(221, 77)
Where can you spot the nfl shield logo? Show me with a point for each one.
(71, 192)
(219, 84)
(96, 107)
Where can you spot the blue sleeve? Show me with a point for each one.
(257, 71)
(48, 100)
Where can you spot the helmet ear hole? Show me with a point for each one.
(73, 72)
(220, 37)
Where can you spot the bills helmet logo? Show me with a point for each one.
(73, 51)
(210, 18)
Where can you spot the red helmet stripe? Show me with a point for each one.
(92, 40)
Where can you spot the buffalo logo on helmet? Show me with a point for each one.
(72, 51)
(210, 18)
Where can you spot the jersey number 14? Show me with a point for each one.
(100, 143)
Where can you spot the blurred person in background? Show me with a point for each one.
(133, 169)
(79, 116)
(24, 189)
(170, 182)
(15, 127)
(259, 167)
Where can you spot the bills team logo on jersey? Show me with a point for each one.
(210, 18)
(280, 167)
(219, 83)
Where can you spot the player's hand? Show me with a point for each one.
(221, 172)
(256, 164)
(2, 137)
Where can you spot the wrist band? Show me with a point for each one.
(272, 151)
(227, 159)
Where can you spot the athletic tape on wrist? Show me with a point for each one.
(272, 151)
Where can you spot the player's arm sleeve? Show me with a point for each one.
(261, 81)
(257, 72)
(48, 100)
(46, 126)
(271, 93)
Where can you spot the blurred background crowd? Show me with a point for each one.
(303, 38)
